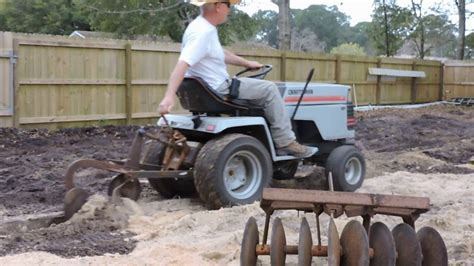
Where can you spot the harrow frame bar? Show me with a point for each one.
(335, 203)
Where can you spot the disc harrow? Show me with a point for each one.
(360, 243)
(125, 182)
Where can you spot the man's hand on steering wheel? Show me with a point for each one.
(254, 65)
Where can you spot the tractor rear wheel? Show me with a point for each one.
(232, 170)
(168, 188)
(347, 166)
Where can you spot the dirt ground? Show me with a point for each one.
(432, 140)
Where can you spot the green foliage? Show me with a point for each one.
(359, 35)
(326, 22)
(267, 30)
(126, 18)
(239, 27)
(439, 34)
(3, 21)
(317, 32)
(469, 46)
(470, 40)
(388, 35)
(348, 49)
(135, 17)
(43, 16)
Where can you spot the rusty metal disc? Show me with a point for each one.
(73, 201)
(129, 187)
(432, 247)
(381, 241)
(355, 245)
(407, 245)
(278, 244)
(248, 254)
(305, 244)
(334, 245)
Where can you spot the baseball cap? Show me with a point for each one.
(202, 2)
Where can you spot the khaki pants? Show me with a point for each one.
(266, 94)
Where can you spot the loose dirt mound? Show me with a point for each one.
(437, 139)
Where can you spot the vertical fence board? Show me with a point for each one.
(6, 91)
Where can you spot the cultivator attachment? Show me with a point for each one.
(358, 244)
(175, 151)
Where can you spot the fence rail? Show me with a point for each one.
(58, 81)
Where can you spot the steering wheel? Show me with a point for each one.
(261, 72)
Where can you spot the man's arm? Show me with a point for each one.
(175, 80)
(233, 59)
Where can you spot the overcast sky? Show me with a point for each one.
(358, 10)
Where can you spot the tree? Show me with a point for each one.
(348, 49)
(470, 46)
(129, 18)
(327, 23)
(306, 41)
(396, 21)
(43, 16)
(358, 34)
(240, 27)
(419, 27)
(267, 30)
(439, 36)
(284, 28)
(461, 5)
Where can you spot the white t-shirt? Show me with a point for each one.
(203, 52)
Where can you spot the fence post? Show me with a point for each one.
(338, 69)
(16, 91)
(128, 83)
(413, 85)
(283, 67)
(378, 91)
(441, 83)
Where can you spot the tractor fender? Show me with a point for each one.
(218, 125)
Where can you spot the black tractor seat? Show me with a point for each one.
(198, 97)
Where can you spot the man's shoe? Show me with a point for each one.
(297, 150)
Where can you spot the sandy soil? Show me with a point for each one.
(422, 152)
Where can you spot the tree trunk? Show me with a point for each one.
(417, 9)
(461, 5)
(387, 43)
(284, 30)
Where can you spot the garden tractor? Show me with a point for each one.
(223, 150)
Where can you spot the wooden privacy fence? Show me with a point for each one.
(459, 79)
(60, 81)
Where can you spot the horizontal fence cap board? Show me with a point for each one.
(459, 64)
(156, 47)
(357, 58)
(309, 56)
(396, 72)
(254, 53)
(397, 61)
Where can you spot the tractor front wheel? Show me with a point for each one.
(347, 166)
(232, 170)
